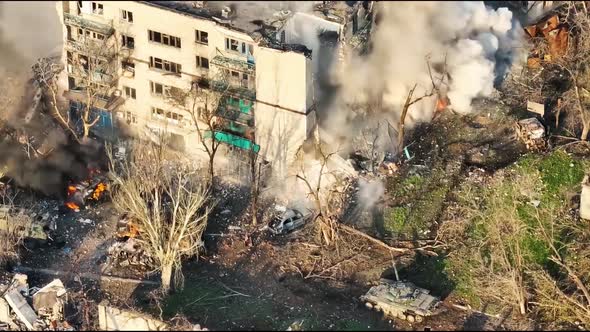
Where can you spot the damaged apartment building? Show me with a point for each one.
(271, 55)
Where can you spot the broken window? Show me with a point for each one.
(127, 41)
(130, 92)
(128, 66)
(201, 37)
(127, 15)
(97, 8)
(131, 118)
(98, 36)
(69, 32)
(71, 83)
(156, 88)
(231, 44)
(202, 62)
(164, 39)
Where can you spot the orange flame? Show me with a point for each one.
(98, 191)
(441, 104)
(72, 206)
(71, 190)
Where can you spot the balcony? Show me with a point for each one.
(89, 47)
(233, 140)
(108, 104)
(235, 115)
(98, 77)
(239, 65)
(104, 28)
(231, 89)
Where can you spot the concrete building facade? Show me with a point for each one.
(157, 47)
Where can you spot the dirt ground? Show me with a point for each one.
(250, 280)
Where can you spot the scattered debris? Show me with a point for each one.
(86, 221)
(113, 319)
(126, 253)
(46, 312)
(556, 35)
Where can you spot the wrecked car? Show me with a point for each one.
(91, 189)
(290, 220)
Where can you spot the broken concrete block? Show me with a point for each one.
(4, 312)
(22, 309)
(113, 319)
(585, 199)
(49, 299)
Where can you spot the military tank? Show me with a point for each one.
(401, 299)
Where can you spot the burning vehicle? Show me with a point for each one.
(91, 189)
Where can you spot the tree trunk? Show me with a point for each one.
(211, 170)
(86, 130)
(167, 278)
(585, 131)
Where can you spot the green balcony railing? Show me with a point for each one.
(233, 140)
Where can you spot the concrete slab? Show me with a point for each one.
(22, 309)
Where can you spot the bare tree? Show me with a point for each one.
(320, 193)
(169, 204)
(435, 89)
(202, 102)
(575, 63)
(95, 73)
(256, 174)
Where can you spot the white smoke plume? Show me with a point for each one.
(468, 36)
(370, 191)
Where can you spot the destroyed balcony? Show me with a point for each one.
(247, 67)
(105, 103)
(88, 47)
(75, 20)
(233, 140)
(238, 91)
(237, 110)
(97, 76)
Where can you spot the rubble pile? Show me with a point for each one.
(128, 253)
(128, 250)
(31, 308)
(532, 133)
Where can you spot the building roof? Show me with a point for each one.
(249, 16)
(259, 19)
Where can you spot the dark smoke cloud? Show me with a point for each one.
(28, 31)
